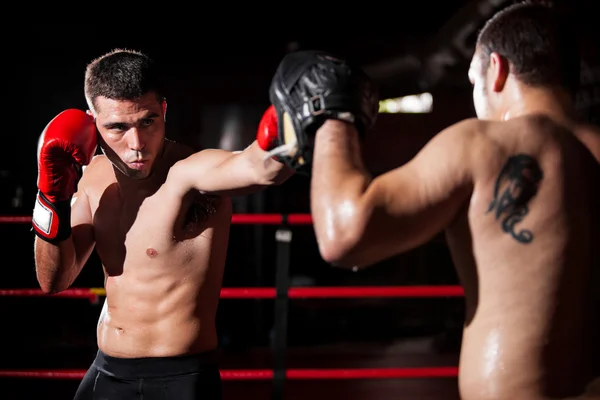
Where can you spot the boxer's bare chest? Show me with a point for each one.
(150, 231)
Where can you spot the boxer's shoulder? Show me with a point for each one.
(466, 129)
(463, 136)
(531, 126)
(537, 134)
(175, 151)
(513, 134)
(98, 165)
(97, 175)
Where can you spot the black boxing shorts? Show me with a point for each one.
(187, 377)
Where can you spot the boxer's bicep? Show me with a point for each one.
(408, 206)
(200, 171)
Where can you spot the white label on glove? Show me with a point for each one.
(42, 217)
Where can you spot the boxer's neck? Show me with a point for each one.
(526, 100)
(131, 188)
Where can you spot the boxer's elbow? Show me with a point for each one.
(49, 288)
(53, 278)
(345, 253)
(338, 254)
(340, 237)
(51, 285)
(55, 266)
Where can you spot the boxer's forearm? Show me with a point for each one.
(228, 173)
(54, 265)
(265, 170)
(339, 180)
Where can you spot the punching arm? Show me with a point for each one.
(234, 173)
(215, 171)
(359, 221)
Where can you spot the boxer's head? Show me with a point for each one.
(524, 46)
(124, 94)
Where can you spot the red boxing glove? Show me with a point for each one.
(267, 136)
(67, 143)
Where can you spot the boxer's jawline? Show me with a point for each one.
(516, 184)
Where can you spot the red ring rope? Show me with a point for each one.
(69, 293)
(266, 219)
(375, 291)
(265, 374)
(269, 293)
(14, 219)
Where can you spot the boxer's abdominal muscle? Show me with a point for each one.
(163, 300)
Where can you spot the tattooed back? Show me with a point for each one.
(526, 250)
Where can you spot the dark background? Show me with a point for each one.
(219, 65)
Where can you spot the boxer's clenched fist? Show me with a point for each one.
(67, 143)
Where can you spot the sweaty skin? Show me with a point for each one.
(159, 217)
(163, 259)
(532, 319)
(518, 202)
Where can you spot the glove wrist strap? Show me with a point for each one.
(51, 220)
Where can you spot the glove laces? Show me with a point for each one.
(283, 150)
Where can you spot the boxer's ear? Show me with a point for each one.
(91, 114)
(498, 71)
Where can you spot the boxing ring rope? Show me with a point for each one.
(281, 293)
(270, 293)
(238, 219)
(265, 374)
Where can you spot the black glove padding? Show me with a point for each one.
(310, 87)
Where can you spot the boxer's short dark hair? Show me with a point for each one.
(122, 74)
(539, 41)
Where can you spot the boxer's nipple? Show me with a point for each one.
(150, 252)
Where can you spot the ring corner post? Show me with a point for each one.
(283, 236)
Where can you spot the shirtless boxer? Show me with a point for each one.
(158, 215)
(515, 191)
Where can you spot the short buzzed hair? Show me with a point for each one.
(539, 42)
(121, 74)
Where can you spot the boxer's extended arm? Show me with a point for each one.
(58, 265)
(359, 221)
(227, 173)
